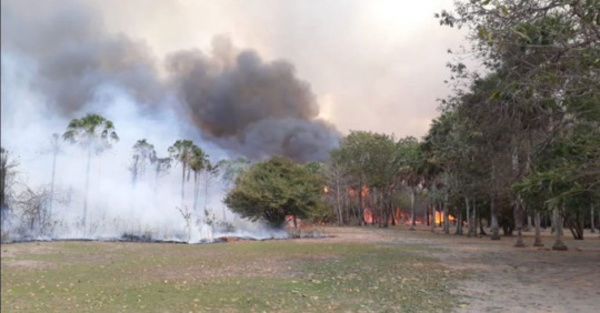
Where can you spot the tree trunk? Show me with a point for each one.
(592, 226)
(51, 200)
(576, 226)
(473, 230)
(538, 237)
(517, 203)
(557, 223)
(446, 219)
(361, 218)
(468, 209)
(196, 192)
(207, 183)
(392, 207)
(87, 187)
(182, 183)
(529, 223)
(339, 205)
(471, 219)
(494, 216)
(433, 214)
(481, 230)
(459, 228)
(412, 209)
(439, 205)
(518, 214)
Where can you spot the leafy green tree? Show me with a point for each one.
(337, 181)
(409, 165)
(353, 154)
(274, 189)
(543, 88)
(366, 159)
(94, 134)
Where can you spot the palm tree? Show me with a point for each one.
(143, 154)
(182, 151)
(198, 163)
(161, 166)
(95, 134)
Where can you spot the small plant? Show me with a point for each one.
(145, 237)
(187, 217)
(225, 227)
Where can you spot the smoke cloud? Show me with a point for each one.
(251, 106)
(60, 62)
(74, 55)
(237, 100)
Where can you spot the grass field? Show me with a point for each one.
(355, 274)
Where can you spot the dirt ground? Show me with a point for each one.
(499, 276)
(503, 278)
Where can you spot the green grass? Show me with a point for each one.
(272, 276)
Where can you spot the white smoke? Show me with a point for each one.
(115, 208)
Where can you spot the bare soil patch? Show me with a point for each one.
(503, 278)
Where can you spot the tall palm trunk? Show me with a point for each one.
(51, 200)
(206, 189)
(182, 184)
(87, 187)
(196, 191)
(412, 209)
(557, 222)
(538, 238)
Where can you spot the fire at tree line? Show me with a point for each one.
(513, 149)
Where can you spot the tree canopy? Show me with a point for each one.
(274, 189)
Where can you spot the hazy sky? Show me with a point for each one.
(374, 65)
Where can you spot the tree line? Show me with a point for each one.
(517, 143)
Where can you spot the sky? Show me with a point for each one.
(374, 65)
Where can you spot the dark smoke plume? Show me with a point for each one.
(254, 107)
(74, 55)
(238, 101)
